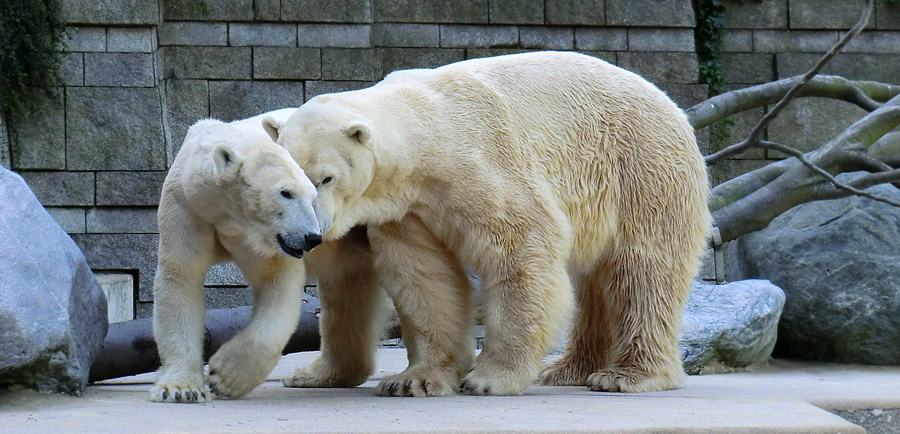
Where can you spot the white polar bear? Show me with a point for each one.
(557, 176)
(231, 194)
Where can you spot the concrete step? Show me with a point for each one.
(785, 397)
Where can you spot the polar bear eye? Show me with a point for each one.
(326, 180)
(287, 194)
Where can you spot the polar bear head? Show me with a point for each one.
(253, 189)
(334, 146)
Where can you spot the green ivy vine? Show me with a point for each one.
(31, 34)
(710, 16)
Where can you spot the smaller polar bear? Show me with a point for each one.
(231, 194)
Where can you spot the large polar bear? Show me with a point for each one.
(557, 176)
(231, 194)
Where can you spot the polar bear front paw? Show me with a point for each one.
(419, 382)
(236, 369)
(180, 387)
(485, 380)
(630, 380)
(322, 373)
(172, 393)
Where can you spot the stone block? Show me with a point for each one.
(334, 35)
(646, 13)
(733, 168)
(416, 11)
(143, 309)
(748, 67)
(355, 64)
(208, 10)
(825, 14)
(123, 252)
(84, 39)
(547, 38)
(61, 188)
(516, 11)
(119, 290)
(685, 95)
(661, 67)
(187, 101)
(737, 41)
(758, 14)
(228, 297)
(119, 69)
(794, 41)
(327, 11)
(267, 10)
(114, 129)
(734, 130)
(129, 39)
(807, 123)
(475, 53)
(854, 66)
(287, 63)
(318, 87)
(225, 274)
(607, 56)
(887, 16)
(107, 12)
(70, 219)
(874, 42)
(406, 35)
(72, 69)
(461, 36)
(393, 59)
(122, 221)
(216, 63)
(641, 39)
(232, 100)
(129, 188)
(575, 12)
(192, 33)
(38, 135)
(262, 34)
(600, 39)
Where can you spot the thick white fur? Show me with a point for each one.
(557, 176)
(222, 200)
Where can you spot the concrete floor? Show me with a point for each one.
(785, 397)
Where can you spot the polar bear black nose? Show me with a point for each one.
(312, 240)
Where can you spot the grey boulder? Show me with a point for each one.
(52, 311)
(729, 326)
(838, 262)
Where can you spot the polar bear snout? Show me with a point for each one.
(294, 244)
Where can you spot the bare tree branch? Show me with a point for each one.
(866, 94)
(823, 173)
(738, 209)
(739, 187)
(754, 136)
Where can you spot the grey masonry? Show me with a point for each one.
(137, 73)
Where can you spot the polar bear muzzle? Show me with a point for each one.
(294, 244)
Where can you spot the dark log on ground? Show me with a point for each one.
(129, 348)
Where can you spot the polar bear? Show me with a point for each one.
(231, 194)
(556, 176)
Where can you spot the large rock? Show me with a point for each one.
(52, 311)
(729, 326)
(839, 265)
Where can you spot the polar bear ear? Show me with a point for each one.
(225, 159)
(360, 131)
(272, 126)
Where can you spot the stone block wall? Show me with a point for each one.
(137, 73)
